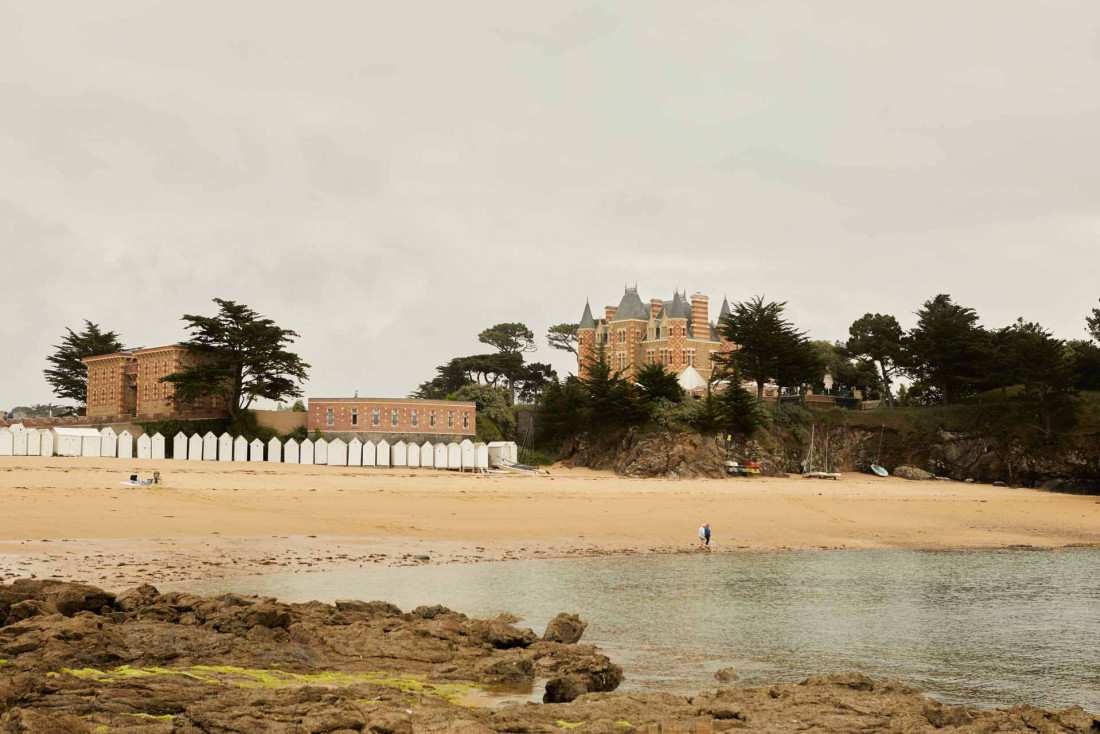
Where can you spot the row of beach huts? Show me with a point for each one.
(466, 455)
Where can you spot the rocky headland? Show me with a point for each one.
(76, 658)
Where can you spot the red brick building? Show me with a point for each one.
(395, 416)
(676, 333)
(127, 384)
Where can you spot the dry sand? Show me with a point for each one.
(70, 518)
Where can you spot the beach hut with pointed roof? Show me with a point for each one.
(144, 446)
(7, 442)
(18, 441)
(125, 445)
(469, 456)
(225, 447)
(209, 446)
(481, 456)
(275, 451)
(157, 446)
(179, 446)
(399, 454)
(108, 442)
(370, 453)
(414, 455)
(292, 452)
(427, 454)
(440, 459)
(337, 453)
(240, 449)
(320, 451)
(256, 450)
(47, 443)
(355, 452)
(305, 452)
(194, 447)
(382, 458)
(454, 456)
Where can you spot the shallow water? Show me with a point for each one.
(990, 628)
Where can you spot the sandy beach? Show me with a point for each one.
(72, 519)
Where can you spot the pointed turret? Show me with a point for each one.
(587, 322)
(725, 309)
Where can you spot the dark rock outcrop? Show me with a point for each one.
(566, 628)
(912, 472)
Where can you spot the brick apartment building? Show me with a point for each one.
(394, 417)
(677, 333)
(127, 384)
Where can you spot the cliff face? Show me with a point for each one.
(980, 444)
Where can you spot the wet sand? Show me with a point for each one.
(70, 518)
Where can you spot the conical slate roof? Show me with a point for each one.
(631, 307)
(587, 322)
(678, 309)
(725, 308)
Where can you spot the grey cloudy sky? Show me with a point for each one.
(390, 178)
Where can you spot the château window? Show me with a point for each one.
(450, 419)
(465, 420)
(328, 417)
(416, 418)
(393, 417)
(374, 421)
(431, 418)
(354, 417)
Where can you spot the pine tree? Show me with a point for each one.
(69, 377)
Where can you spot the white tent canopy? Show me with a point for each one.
(691, 380)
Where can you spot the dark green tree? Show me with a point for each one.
(512, 338)
(243, 357)
(1092, 324)
(1085, 357)
(654, 382)
(611, 400)
(798, 362)
(563, 337)
(1045, 369)
(496, 420)
(741, 412)
(947, 348)
(68, 376)
(879, 338)
(763, 336)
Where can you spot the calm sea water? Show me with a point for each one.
(989, 628)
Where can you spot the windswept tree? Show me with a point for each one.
(947, 348)
(656, 383)
(243, 357)
(879, 338)
(509, 338)
(563, 337)
(1046, 370)
(68, 376)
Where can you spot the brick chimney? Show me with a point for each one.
(655, 307)
(610, 311)
(700, 315)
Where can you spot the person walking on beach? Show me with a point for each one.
(706, 536)
(703, 535)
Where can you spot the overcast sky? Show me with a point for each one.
(390, 178)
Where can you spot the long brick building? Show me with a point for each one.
(677, 333)
(127, 384)
(395, 417)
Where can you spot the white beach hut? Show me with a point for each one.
(468, 454)
(382, 458)
(108, 442)
(7, 442)
(440, 451)
(513, 451)
(18, 440)
(291, 452)
(240, 449)
(179, 446)
(144, 446)
(156, 446)
(34, 442)
(194, 447)
(225, 447)
(320, 451)
(91, 443)
(497, 450)
(125, 445)
(210, 446)
(355, 452)
(47, 443)
(399, 454)
(305, 452)
(454, 456)
(427, 454)
(274, 451)
(66, 441)
(337, 453)
(414, 455)
(370, 454)
(481, 456)
(256, 450)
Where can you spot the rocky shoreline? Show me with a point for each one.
(76, 658)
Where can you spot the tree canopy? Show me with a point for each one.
(769, 347)
(879, 338)
(1092, 324)
(243, 357)
(68, 376)
(563, 337)
(947, 348)
(509, 338)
